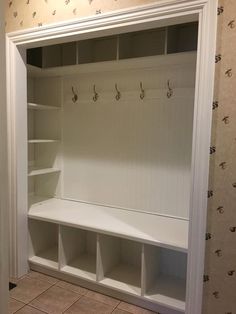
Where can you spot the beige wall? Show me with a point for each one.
(220, 278)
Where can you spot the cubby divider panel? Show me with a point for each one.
(120, 264)
(43, 243)
(78, 252)
(165, 276)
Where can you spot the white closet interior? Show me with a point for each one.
(110, 125)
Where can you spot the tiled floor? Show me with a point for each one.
(39, 294)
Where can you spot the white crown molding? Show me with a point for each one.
(159, 11)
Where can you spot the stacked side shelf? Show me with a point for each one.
(38, 141)
(44, 133)
(41, 107)
(141, 254)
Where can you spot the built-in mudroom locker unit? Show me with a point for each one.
(110, 127)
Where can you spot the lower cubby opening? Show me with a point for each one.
(165, 276)
(120, 264)
(43, 242)
(78, 252)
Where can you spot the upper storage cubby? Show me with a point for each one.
(151, 42)
(142, 44)
(182, 38)
(97, 50)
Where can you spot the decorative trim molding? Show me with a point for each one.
(143, 17)
(4, 186)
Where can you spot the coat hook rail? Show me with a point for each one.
(170, 90)
(142, 94)
(75, 96)
(118, 94)
(95, 96)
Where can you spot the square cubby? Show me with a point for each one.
(78, 252)
(165, 276)
(120, 264)
(43, 243)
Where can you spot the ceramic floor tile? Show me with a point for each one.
(29, 310)
(39, 276)
(89, 306)
(28, 289)
(102, 298)
(133, 309)
(118, 311)
(55, 300)
(71, 287)
(14, 305)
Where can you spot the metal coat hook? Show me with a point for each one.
(142, 94)
(95, 96)
(75, 96)
(118, 94)
(170, 90)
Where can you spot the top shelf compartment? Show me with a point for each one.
(146, 43)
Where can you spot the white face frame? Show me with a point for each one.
(162, 13)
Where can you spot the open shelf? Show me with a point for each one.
(165, 276)
(38, 141)
(120, 264)
(78, 251)
(41, 107)
(43, 242)
(148, 228)
(37, 199)
(33, 171)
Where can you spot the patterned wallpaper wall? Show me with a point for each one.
(220, 266)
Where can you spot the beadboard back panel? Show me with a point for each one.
(131, 153)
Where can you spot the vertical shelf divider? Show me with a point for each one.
(143, 272)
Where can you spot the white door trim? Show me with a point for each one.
(106, 24)
(4, 188)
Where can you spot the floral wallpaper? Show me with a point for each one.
(220, 265)
(22, 14)
(220, 262)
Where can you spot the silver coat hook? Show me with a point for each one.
(142, 94)
(118, 94)
(75, 96)
(170, 90)
(95, 96)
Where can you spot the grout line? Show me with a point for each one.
(81, 296)
(40, 293)
(116, 307)
(31, 307)
(52, 285)
(18, 300)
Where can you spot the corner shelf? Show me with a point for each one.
(34, 106)
(40, 171)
